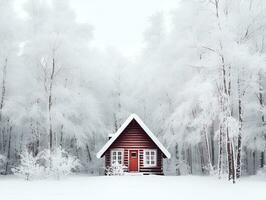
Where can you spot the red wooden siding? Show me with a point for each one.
(134, 137)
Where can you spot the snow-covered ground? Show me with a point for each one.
(131, 187)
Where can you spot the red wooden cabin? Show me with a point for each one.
(135, 147)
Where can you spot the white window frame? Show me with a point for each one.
(122, 155)
(145, 159)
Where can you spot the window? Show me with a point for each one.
(133, 155)
(150, 158)
(117, 156)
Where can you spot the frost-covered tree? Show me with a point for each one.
(29, 167)
(208, 61)
(9, 50)
(60, 162)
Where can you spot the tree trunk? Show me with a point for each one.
(201, 154)
(178, 173)
(220, 153)
(261, 102)
(61, 136)
(3, 94)
(88, 152)
(233, 163)
(8, 150)
(37, 149)
(207, 146)
(262, 159)
(50, 103)
(239, 138)
(229, 156)
(254, 162)
(238, 159)
(189, 158)
(212, 145)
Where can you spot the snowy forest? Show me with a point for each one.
(199, 83)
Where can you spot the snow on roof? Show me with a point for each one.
(143, 126)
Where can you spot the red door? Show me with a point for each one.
(133, 161)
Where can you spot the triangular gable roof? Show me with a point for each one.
(143, 126)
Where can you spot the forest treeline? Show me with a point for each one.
(198, 83)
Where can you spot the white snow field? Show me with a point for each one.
(131, 187)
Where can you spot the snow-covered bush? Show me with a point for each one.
(29, 167)
(183, 167)
(56, 164)
(210, 170)
(61, 163)
(262, 172)
(2, 163)
(115, 170)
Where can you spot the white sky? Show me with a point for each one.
(119, 23)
